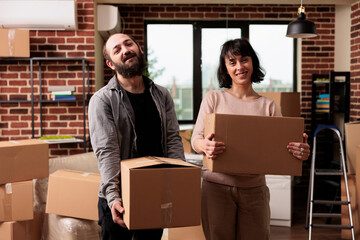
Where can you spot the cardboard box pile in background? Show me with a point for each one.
(160, 193)
(352, 140)
(14, 43)
(21, 162)
(186, 138)
(73, 194)
(289, 102)
(255, 144)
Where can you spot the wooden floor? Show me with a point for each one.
(297, 231)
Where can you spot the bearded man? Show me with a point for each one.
(130, 117)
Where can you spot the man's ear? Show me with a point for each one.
(110, 64)
(141, 49)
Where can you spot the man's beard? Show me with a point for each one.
(132, 70)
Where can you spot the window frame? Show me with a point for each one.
(197, 26)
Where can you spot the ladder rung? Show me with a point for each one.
(332, 226)
(327, 215)
(330, 202)
(329, 173)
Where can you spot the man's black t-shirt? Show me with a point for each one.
(147, 124)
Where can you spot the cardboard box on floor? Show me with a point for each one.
(14, 43)
(160, 193)
(188, 233)
(23, 160)
(22, 230)
(352, 140)
(16, 201)
(73, 194)
(355, 211)
(255, 144)
(289, 102)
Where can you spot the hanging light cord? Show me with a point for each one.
(227, 21)
(301, 9)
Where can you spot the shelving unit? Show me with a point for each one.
(337, 86)
(41, 101)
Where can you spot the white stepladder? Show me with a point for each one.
(327, 172)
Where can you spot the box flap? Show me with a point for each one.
(354, 122)
(145, 162)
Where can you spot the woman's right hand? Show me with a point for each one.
(209, 147)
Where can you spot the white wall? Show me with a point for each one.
(342, 37)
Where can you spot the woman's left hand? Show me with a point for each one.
(300, 150)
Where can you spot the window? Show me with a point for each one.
(276, 54)
(170, 63)
(185, 59)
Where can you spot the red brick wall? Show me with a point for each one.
(58, 118)
(355, 62)
(317, 53)
(317, 57)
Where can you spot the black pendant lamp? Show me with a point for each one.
(301, 28)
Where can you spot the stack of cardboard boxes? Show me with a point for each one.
(21, 162)
(71, 204)
(352, 142)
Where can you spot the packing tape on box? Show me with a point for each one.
(6, 202)
(8, 188)
(166, 214)
(11, 41)
(166, 201)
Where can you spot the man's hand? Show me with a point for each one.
(117, 212)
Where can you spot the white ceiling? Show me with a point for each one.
(305, 2)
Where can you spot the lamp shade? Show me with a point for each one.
(301, 28)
